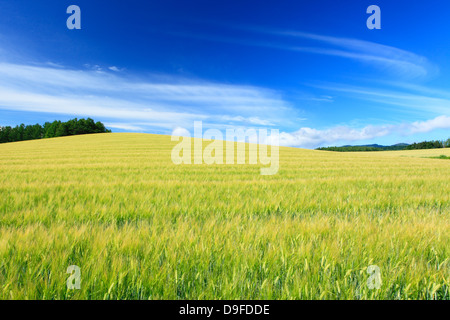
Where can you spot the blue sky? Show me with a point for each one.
(311, 69)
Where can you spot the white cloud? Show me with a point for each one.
(261, 122)
(441, 122)
(159, 103)
(181, 132)
(309, 137)
(95, 106)
(124, 126)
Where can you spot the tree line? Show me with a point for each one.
(416, 145)
(350, 148)
(434, 144)
(51, 129)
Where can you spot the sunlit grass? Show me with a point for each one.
(140, 227)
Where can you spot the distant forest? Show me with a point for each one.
(51, 130)
(429, 145)
(434, 144)
(351, 148)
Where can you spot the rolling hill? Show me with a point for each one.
(140, 227)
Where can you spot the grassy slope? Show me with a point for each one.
(141, 227)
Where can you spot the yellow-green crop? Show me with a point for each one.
(141, 227)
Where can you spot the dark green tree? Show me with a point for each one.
(51, 130)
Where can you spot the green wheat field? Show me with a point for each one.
(141, 227)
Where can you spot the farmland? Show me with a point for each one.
(141, 227)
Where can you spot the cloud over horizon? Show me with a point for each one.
(310, 137)
(141, 105)
(131, 103)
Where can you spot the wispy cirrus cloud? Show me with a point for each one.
(404, 63)
(398, 62)
(153, 103)
(417, 99)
